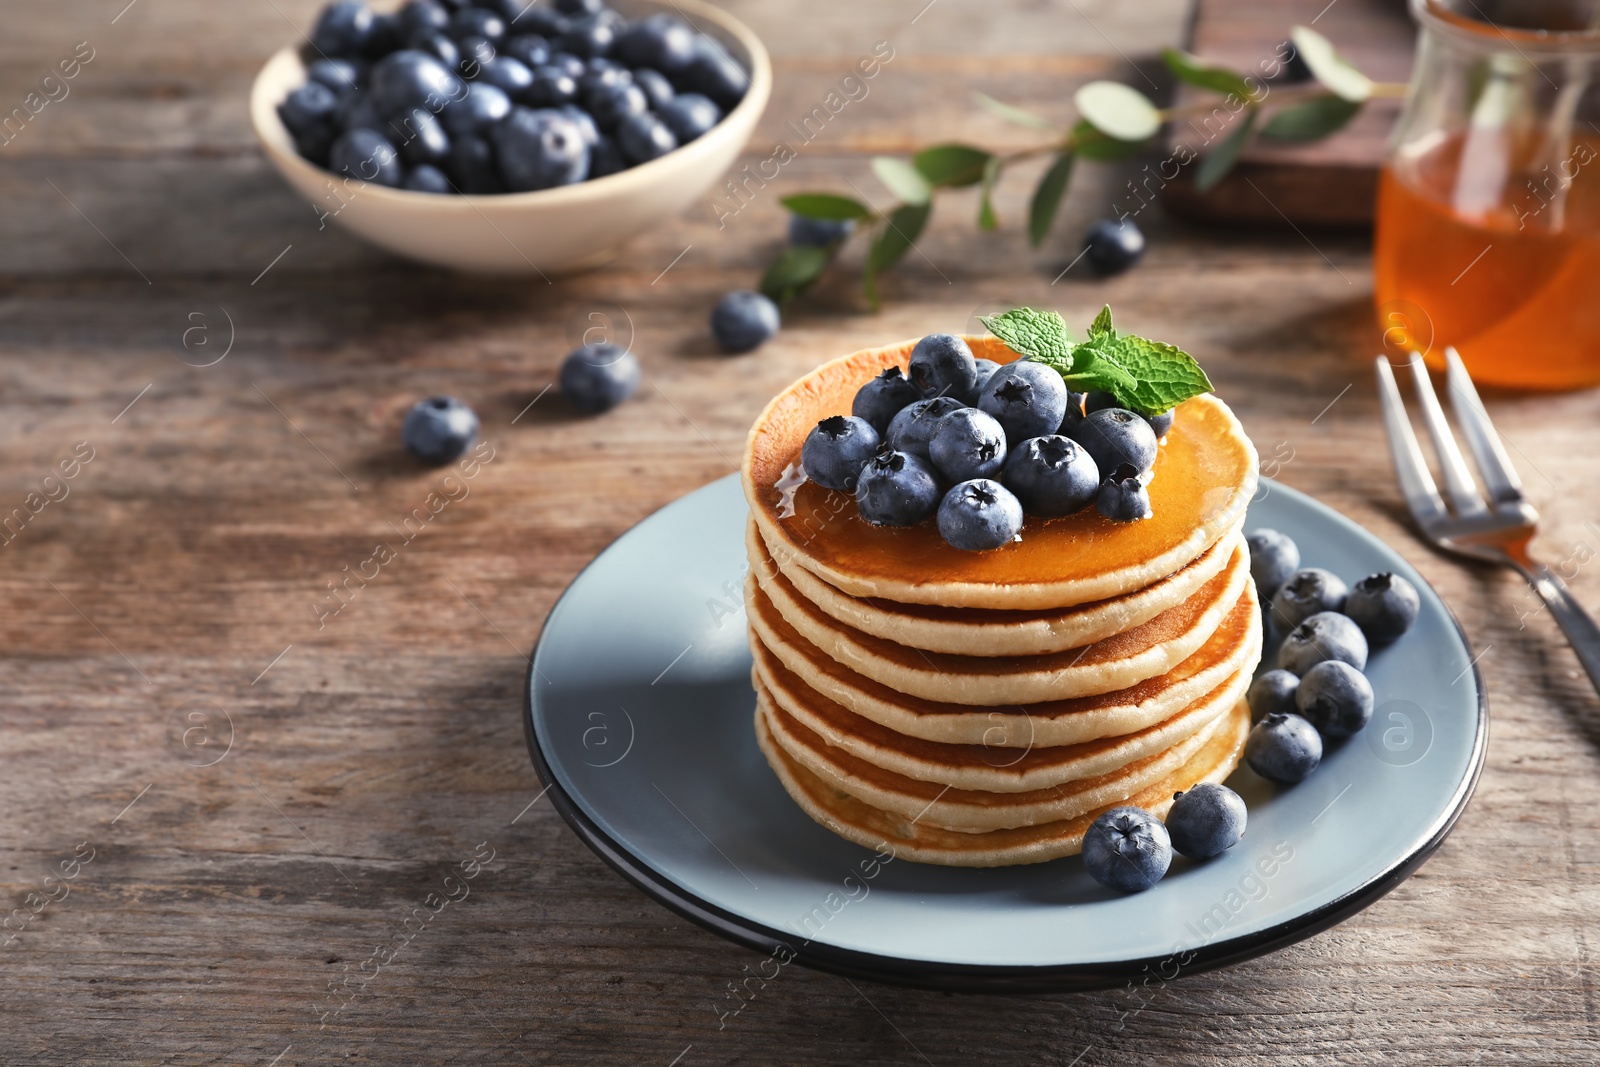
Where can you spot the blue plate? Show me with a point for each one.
(639, 720)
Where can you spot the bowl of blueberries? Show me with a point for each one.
(509, 137)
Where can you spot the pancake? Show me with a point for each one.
(1146, 651)
(986, 632)
(1235, 645)
(982, 767)
(1204, 477)
(915, 840)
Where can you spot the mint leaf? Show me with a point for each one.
(1146, 376)
(1101, 326)
(1038, 335)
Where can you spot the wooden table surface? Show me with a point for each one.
(219, 913)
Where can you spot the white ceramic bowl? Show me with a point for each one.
(548, 232)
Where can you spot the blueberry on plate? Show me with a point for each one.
(817, 233)
(439, 46)
(713, 72)
(968, 444)
(1283, 748)
(942, 365)
(1099, 400)
(421, 137)
(473, 166)
(610, 104)
(1336, 698)
(690, 115)
(1123, 496)
(1206, 820)
(655, 85)
(343, 29)
(1128, 849)
(1303, 594)
(985, 370)
(539, 149)
(1074, 413)
(477, 22)
(1111, 247)
(743, 320)
(439, 429)
(1327, 635)
(482, 107)
(427, 178)
(836, 450)
(510, 76)
(598, 377)
(1051, 476)
(551, 87)
(529, 49)
(896, 489)
(1274, 557)
(1161, 423)
(1384, 606)
(914, 425)
(309, 114)
(1027, 399)
(1116, 436)
(660, 42)
(883, 397)
(341, 75)
(978, 515)
(590, 35)
(644, 137)
(1273, 691)
(368, 156)
(406, 79)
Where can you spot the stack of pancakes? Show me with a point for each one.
(981, 709)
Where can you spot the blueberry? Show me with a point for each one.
(1099, 400)
(1127, 848)
(644, 137)
(655, 85)
(438, 46)
(421, 137)
(585, 124)
(598, 377)
(1027, 399)
(473, 167)
(439, 429)
(1273, 691)
(985, 369)
(1323, 636)
(914, 425)
(606, 158)
(1161, 423)
(341, 75)
(1206, 820)
(427, 179)
(837, 449)
(510, 76)
(551, 87)
(476, 22)
(713, 72)
(536, 18)
(343, 29)
(942, 365)
(1051, 476)
(309, 114)
(591, 35)
(408, 79)
(690, 115)
(600, 72)
(1115, 436)
(529, 49)
(883, 397)
(574, 66)
(476, 53)
(610, 104)
(968, 444)
(1074, 414)
(1384, 606)
(742, 320)
(384, 38)
(1305, 593)
(508, 10)
(816, 233)
(579, 7)
(422, 16)
(897, 489)
(1123, 496)
(978, 515)
(1274, 557)
(1336, 698)
(660, 41)
(539, 149)
(357, 113)
(1111, 247)
(366, 155)
(1283, 748)
(482, 107)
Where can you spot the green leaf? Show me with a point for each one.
(1116, 110)
(1221, 159)
(902, 179)
(952, 165)
(1330, 68)
(794, 271)
(987, 219)
(903, 226)
(1101, 326)
(1047, 198)
(1012, 114)
(1192, 70)
(1317, 117)
(1037, 335)
(1146, 376)
(829, 207)
(1090, 143)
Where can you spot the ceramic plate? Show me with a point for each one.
(639, 720)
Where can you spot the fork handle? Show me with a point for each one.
(1581, 631)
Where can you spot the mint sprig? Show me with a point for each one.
(1150, 377)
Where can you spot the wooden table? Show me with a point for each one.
(217, 912)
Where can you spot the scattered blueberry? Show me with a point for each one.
(968, 444)
(439, 429)
(1027, 399)
(539, 149)
(1327, 635)
(406, 79)
(1283, 748)
(343, 29)
(744, 320)
(1272, 692)
(1305, 593)
(913, 426)
(896, 489)
(368, 156)
(942, 365)
(1336, 698)
(1115, 436)
(1111, 247)
(644, 137)
(1051, 476)
(819, 233)
(427, 179)
(837, 449)
(1127, 848)
(660, 42)
(690, 115)
(1123, 496)
(978, 515)
(598, 377)
(1384, 606)
(1206, 820)
(1274, 557)
(883, 397)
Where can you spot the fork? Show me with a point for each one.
(1497, 530)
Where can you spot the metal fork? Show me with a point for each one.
(1497, 530)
